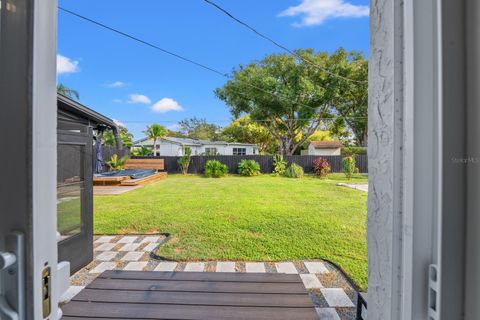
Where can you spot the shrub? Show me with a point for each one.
(249, 168)
(115, 163)
(279, 164)
(321, 167)
(349, 167)
(294, 171)
(215, 169)
(352, 151)
(184, 161)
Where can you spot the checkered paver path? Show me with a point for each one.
(332, 294)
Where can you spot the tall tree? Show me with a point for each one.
(125, 136)
(72, 94)
(350, 98)
(282, 93)
(155, 132)
(195, 128)
(246, 131)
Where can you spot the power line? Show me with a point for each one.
(277, 44)
(143, 42)
(178, 56)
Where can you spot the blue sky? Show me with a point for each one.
(138, 85)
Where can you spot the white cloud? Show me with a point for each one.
(116, 84)
(166, 105)
(66, 65)
(315, 12)
(139, 98)
(119, 123)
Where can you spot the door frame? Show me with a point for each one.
(28, 99)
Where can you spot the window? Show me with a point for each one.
(239, 151)
(210, 151)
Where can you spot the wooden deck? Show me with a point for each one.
(192, 295)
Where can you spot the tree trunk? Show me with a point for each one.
(154, 147)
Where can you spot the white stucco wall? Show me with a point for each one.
(312, 151)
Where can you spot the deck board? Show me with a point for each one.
(191, 295)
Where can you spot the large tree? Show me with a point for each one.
(125, 136)
(195, 128)
(350, 98)
(155, 132)
(284, 94)
(246, 131)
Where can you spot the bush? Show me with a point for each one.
(321, 167)
(352, 151)
(215, 169)
(349, 167)
(249, 168)
(294, 171)
(279, 165)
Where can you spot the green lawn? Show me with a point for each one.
(239, 218)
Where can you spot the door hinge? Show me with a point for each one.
(12, 273)
(433, 292)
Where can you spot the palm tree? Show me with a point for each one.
(155, 132)
(67, 91)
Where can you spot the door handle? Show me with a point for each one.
(12, 273)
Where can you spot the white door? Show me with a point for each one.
(29, 276)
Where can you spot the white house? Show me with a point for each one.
(323, 148)
(172, 146)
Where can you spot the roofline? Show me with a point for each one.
(82, 110)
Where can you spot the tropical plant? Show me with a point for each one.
(116, 163)
(294, 171)
(184, 161)
(279, 164)
(70, 93)
(155, 132)
(215, 169)
(126, 138)
(249, 168)
(321, 167)
(141, 151)
(349, 167)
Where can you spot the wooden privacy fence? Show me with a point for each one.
(197, 163)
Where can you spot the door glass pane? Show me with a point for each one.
(70, 189)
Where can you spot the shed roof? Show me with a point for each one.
(71, 106)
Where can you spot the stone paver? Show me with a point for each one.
(195, 267)
(71, 292)
(106, 255)
(132, 256)
(166, 266)
(130, 247)
(225, 266)
(311, 281)
(327, 314)
(127, 239)
(136, 266)
(336, 297)
(105, 247)
(255, 267)
(103, 239)
(104, 266)
(315, 267)
(286, 267)
(150, 239)
(150, 247)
